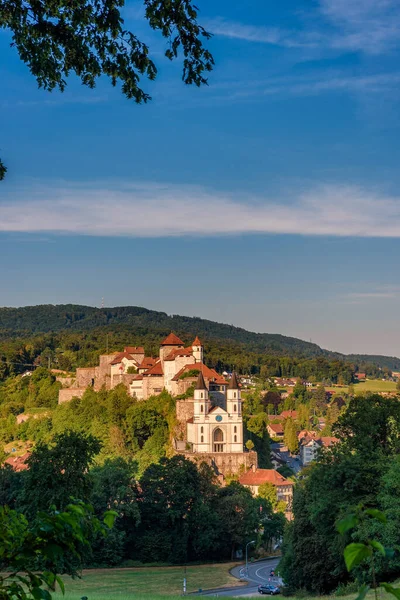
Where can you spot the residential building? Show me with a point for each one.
(256, 477)
(275, 430)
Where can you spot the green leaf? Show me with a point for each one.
(109, 518)
(354, 554)
(376, 514)
(391, 590)
(362, 592)
(378, 546)
(348, 522)
(61, 584)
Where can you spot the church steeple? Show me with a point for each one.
(233, 384)
(233, 399)
(201, 399)
(201, 384)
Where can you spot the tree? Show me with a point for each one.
(88, 38)
(57, 472)
(249, 445)
(268, 492)
(25, 546)
(290, 436)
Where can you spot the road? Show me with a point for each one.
(258, 572)
(282, 454)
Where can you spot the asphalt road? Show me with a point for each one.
(258, 572)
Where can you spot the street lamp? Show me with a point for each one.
(247, 545)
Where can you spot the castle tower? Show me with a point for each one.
(233, 398)
(170, 343)
(201, 397)
(197, 348)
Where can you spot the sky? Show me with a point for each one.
(268, 199)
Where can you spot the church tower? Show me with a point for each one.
(233, 399)
(201, 398)
(197, 348)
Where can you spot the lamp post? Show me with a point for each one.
(247, 545)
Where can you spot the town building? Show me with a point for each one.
(311, 443)
(254, 478)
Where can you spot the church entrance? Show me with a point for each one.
(218, 437)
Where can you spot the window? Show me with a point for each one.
(201, 395)
(235, 438)
(202, 438)
(201, 408)
(218, 437)
(235, 429)
(234, 408)
(234, 394)
(201, 429)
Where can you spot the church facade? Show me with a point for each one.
(216, 429)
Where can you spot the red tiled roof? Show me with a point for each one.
(196, 342)
(191, 420)
(18, 463)
(156, 370)
(138, 378)
(179, 352)
(307, 435)
(261, 476)
(287, 414)
(276, 427)
(210, 374)
(172, 340)
(120, 356)
(328, 441)
(134, 349)
(147, 362)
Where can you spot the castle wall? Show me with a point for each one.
(125, 378)
(85, 377)
(152, 385)
(69, 393)
(225, 463)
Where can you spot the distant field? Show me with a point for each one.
(129, 584)
(371, 385)
(375, 385)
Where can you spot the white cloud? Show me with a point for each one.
(368, 26)
(156, 210)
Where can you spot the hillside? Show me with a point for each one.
(32, 320)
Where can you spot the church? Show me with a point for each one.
(215, 429)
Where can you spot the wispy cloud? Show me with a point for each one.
(368, 26)
(156, 210)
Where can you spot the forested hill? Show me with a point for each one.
(150, 324)
(45, 318)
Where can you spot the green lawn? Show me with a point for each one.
(375, 385)
(371, 385)
(134, 583)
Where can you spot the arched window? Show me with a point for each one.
(234, 394)
(202, 439)
(235, 438)
(201, 429)
(235, 429)
(234, 408)
(201, 408)
(218, 437)
(201, 395)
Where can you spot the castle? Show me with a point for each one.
(208, 408)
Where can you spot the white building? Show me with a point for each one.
(217, 429)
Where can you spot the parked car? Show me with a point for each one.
(271, 590)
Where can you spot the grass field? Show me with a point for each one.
(129, 584)
(371, 385)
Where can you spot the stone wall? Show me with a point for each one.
(66, 381)
(125, 378)
(69, 393)
(85, 377)
(225, 463)
(184, 412)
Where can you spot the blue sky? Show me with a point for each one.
(268, 199)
